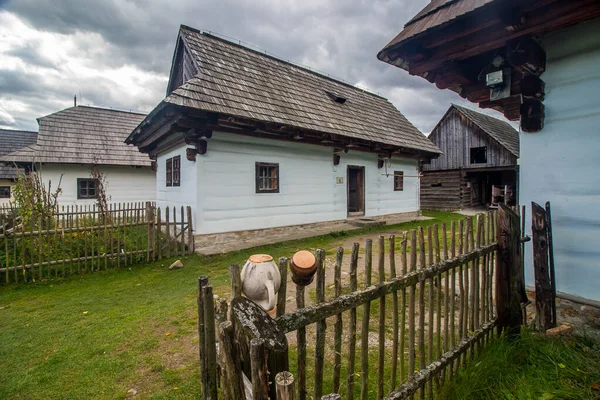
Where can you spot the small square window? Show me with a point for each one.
(398, 180)
(479, 155)
(267, 178)
(4, 192)
(86, 188)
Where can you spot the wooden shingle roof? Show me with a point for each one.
(238, 81)
(12, 140)
(84, 135)
(433, 15)
(499, 130)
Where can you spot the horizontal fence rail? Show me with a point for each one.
(80, 239)
(391, 319)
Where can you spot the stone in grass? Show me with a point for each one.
(131, 392)
(176, 265)
(560, 330)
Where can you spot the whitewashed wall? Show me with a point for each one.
(177, 196)
(561, 164)
(124, 184)
(308, 190)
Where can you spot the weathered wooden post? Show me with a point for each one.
(250, 321)
(551, 259)
(284, 382)
(202, 282)
(234, 383)
(508, 298)
(150, 220)
(544, 294)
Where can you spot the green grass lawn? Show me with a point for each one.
(534, 366)
(102, 334)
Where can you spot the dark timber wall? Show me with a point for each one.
(445, 190)
(455, 136)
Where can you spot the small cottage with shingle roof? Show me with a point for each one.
(70, 142)
(479, 164)
(11, 140)
(253, 142)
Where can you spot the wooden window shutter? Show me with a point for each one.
(169, 179)
(176, 170)
(398, 180)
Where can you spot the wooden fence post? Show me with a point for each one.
(190, 230)
(544, 296)
(508, 298)
(150, 221)
(210, 343)
(284, 384)
(551, 260)
(234, 385)
(202, 282)
(258, 365)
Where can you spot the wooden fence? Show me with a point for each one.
(399, 329)
(81, 239)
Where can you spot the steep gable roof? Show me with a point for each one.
(12, 140)
(84, 135)
(499, 130)
(234, 80)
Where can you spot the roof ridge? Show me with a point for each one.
(432, 11)
(17, 130)
(212, 35)
(485, 115)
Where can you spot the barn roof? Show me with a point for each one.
(499, 130)
(11, 140)
(237, 81)
(84, 135)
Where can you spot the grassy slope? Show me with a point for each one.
(532, 367)
(99, 335)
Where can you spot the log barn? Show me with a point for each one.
(478, 166)
(537, 62)
(260, 147)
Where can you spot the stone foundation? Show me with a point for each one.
(218, 243)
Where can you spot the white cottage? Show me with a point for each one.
(537, 62)
(72, 141)
(256, 143)
(11, 140)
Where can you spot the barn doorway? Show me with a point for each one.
(356, 191)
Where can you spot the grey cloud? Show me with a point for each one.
(143, 33)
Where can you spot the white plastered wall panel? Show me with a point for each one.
(308, 188)
(124, 183)
(560, 164)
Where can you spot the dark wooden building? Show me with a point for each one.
(479, 164)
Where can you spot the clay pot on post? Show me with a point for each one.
(261, 281)
(303, 267)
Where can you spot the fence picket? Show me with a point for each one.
(421, 343)
(183, 251)
(352, 323)
(364, 339)
(301, 343)
(168, 231)
(320, 340)
(411, 306)
(431, 308)
(175, 242)
(380, 370)
(404, 261)
(337, 345)
(395, 322)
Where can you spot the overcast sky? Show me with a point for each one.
(117, 53)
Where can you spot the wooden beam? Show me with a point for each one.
(526, 55)
(532, 115)
(557, 15)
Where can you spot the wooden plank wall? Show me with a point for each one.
(455, 136)
(445, 190)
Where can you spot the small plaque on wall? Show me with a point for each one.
(339, 180)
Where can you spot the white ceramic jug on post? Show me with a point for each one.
(261, 281)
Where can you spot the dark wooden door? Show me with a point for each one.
(356, 190)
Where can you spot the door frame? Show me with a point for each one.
(361, 185)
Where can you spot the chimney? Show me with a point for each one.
(75, 100)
